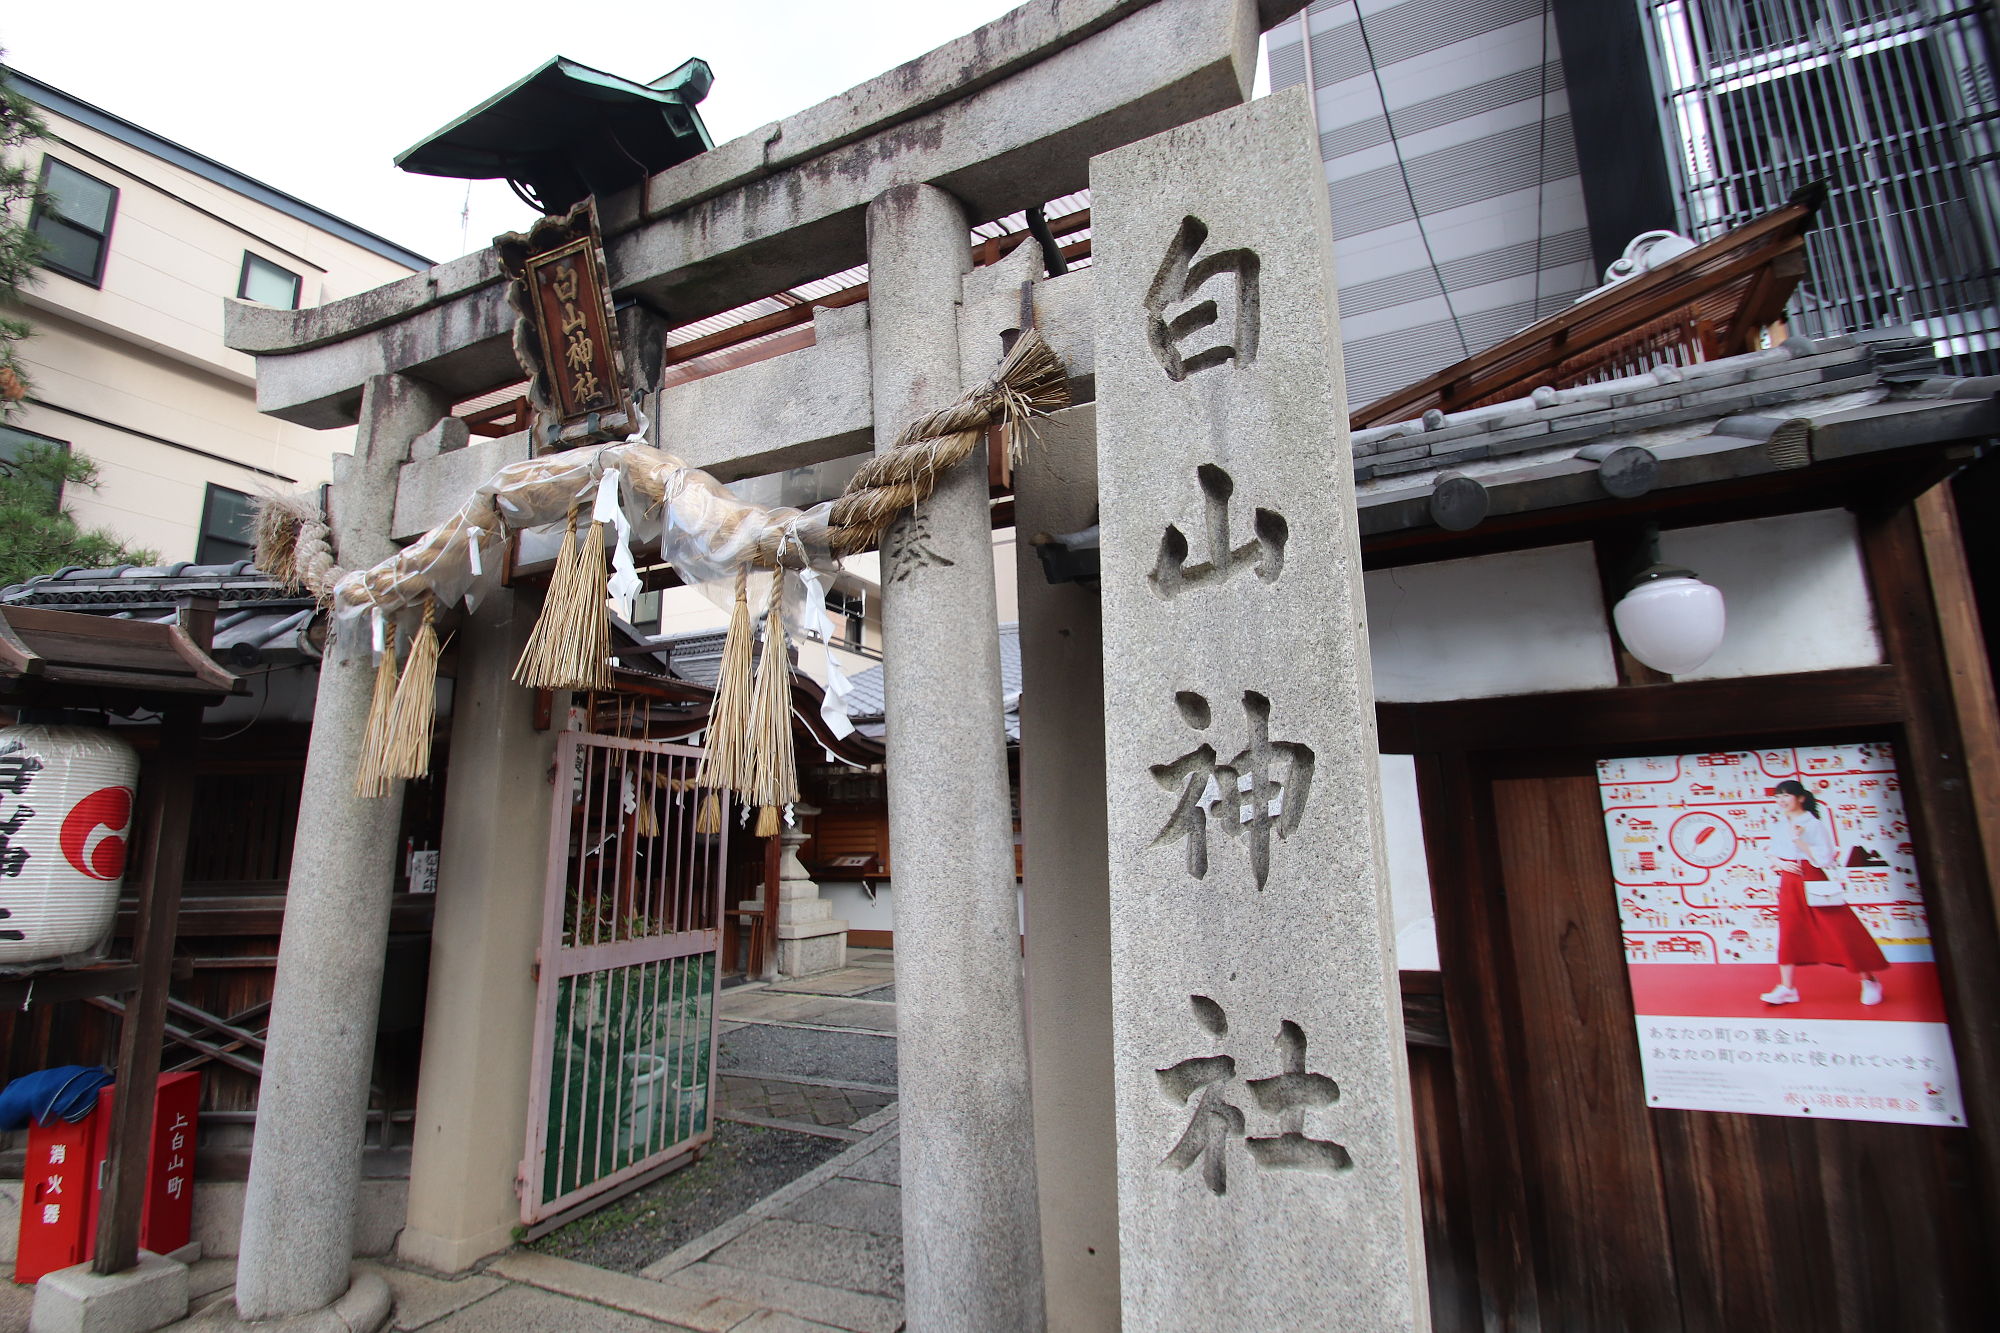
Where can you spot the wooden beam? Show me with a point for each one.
(118, 654)
(1967, 666)
(789, 317)
(1884, 478)
(1482, 1009)
(499, 420)
(16, 657)
(1809, 702)
(729, 357)
(1524, 361)
(68, 984)
(1945, 829)
(167, 798)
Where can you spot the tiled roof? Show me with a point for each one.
(694, 656)
(256, 620)
(1792, 371)
(867, 706)
(697, 656)
(1791, 406)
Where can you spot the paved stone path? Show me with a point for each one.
(822, 1255)
(773, 1101)
(784, 1074)
(827, 1249)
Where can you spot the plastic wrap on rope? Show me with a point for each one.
(703, 531)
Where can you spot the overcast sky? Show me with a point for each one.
(317, 99)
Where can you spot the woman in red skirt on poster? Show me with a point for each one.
(1802, 847)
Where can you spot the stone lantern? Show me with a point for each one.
(810, 939)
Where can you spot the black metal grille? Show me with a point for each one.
(1891, 104)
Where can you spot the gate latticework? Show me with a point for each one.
(628, 974)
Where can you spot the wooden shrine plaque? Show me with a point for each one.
(572, 354)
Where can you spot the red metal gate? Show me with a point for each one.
(627, 978)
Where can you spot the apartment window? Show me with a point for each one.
(854, 607)
(14, 442)
(646, 612)
(225, 527)
(268, 284)
(74, 217)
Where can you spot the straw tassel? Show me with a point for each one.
(531, 670)
(590, 643)
(646, 820)
(570, 648)
(708, 818)
(725, 760)
(408, 747)
(774, 781)
(371, 773)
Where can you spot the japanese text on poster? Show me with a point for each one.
(1775, 935)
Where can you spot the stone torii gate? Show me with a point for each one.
(1206, 936)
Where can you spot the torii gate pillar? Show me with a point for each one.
(298, 1210)
(971, 1233)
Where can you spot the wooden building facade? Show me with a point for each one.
(1813, 483)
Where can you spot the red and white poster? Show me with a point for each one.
(1775, 935)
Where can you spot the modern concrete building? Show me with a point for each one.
(146, 240)
(1487, 159)
(1458, 208)
(1891, 104)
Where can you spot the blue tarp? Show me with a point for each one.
(67, 1092)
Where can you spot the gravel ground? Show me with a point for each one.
(879, 993)
(805, 1053)
(745, 1164)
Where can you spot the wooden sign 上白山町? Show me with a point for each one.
(570, 350)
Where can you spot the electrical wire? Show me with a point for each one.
(262, 703)
(1402, 166)
(1541, 164)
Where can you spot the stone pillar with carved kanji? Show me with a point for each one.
(1266, 1161)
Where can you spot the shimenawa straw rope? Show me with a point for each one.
(570, 645)
(570, 648)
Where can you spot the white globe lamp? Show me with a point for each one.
(1670, 620)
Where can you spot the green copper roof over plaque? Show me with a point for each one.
(568, 130)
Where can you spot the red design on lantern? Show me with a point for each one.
(108, 808)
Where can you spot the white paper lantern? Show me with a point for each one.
(1671, 620)
(67, 800)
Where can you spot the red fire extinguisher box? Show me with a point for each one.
(63, 1181)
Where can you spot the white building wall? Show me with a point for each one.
(150, 493)
(1409, 867)
(1794, 592)
(1520, 623)
(1794, 588)
(133, 373)
(852, 904)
